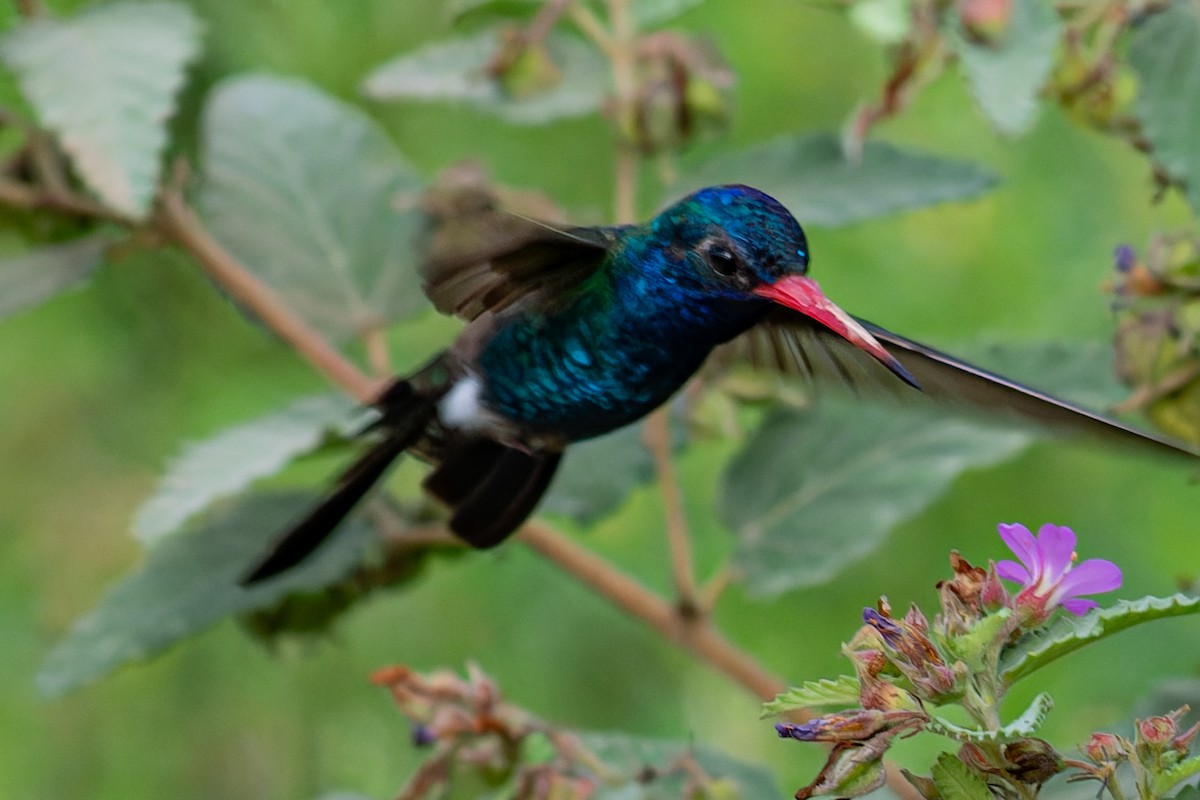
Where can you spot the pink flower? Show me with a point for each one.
(1047, 573)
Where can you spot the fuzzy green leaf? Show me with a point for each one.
(189, 582)
(1068, 633)
(978, 645)
(311, 195)
(1165, 780)
(1025, 725)
(1166, 56)
(31, 278)
(229, 462)
(105, 82)
(456, 70)
(597, 475)
(840, 691)
(630, 759)
(956, 781)
(885, 21)
(812, 177)
(1006, 76)
(652, 13)
(813, 491)
(645, 13)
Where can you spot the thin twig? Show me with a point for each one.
(656, 436)
(591, 27)
(696, 635)
(17, 194)
(623, 57)
(31, 9)
(177, 221)
(378, 356)
(656, 433)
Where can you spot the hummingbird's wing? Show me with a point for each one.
(483, 258)
(793, 343)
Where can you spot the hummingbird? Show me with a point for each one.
(573, 332)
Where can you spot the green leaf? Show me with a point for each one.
(1006, 76)
(236, 457)
(979, 645)
(312, 196)
(1189, 792)
(189, 582)
(105, 82)
(815, 490)
(840, 691)
(652, 13)
(468, 11)
(1168, 778)
(597, 475)
(455, 70)
(630, 759)
(956, 781)
(645, 13)
(1080, 371)
(1068, 633)
(1025, 725)
(812, 177)
(885, 21)
(31, 278)
(1166, 56)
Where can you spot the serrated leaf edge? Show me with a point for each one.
(842, 690)
(1126, 613)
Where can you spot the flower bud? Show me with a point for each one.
(1032, 761)
(855, 725)
(1157, 731)
(1103, 747)
(985, 21)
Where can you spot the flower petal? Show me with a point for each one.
(1078, 606)
(1056, 543)
(1091, 577)
(1012, 571)
(1021, 542)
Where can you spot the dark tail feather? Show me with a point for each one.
(491, 488)
(462, 468)
(406, 418)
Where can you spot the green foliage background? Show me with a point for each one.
(101, 386)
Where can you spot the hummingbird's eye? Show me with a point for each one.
(722, 260)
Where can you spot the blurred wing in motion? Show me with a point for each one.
(792, 343)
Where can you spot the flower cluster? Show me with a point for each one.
(1157, 757)
(905, 665)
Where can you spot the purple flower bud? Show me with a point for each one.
(1124, 258)
(422, 736)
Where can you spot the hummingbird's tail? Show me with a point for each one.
(407, 414)
(490, 488)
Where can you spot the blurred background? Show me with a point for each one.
(102, 386)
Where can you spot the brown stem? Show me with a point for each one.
(623, 57)
(656, 435)
(31, 9)
(378, 357)
(18, 194)
(696, 635)
(177, 221)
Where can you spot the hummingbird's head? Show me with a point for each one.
(732, 239)
(742, 244)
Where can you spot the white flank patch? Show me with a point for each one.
(460, 407)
